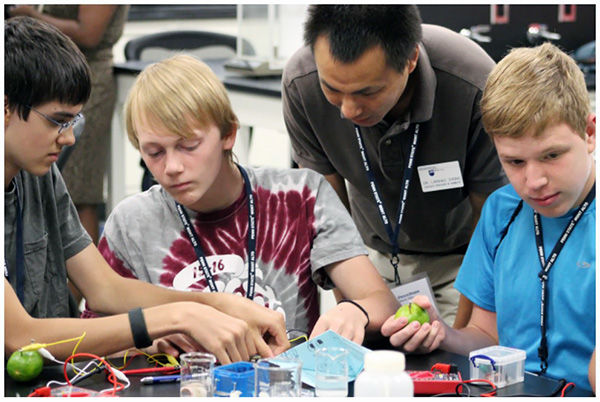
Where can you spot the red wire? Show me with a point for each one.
(112, 378)
(491, 393)
(567, 386)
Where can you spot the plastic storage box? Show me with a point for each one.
(499, 364)
(235, 379)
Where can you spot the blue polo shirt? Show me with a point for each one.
(504, 279)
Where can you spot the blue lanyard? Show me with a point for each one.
(191, 232)
(392, 234)
(20, 255)
(547, 264)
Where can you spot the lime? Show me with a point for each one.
(413, 312)
(24, 366)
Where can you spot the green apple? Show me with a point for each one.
(413, 312)
(24, 365)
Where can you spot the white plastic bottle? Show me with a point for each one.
(384, 375)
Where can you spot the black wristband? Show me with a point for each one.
(141, 339)
(359, 306)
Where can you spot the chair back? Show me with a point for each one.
(201, 44)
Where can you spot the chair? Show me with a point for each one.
(201, 44)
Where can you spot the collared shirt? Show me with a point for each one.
(450, 76)
(52, 234)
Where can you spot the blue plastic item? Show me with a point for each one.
(236, 378)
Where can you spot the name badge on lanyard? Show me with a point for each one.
(440, 176)
(20, 255)
(546, 265)
(203, 263)
(391, 232)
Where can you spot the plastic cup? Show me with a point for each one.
(196, 374)
(331, 372)
(278, 377)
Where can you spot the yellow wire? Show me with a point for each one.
(150, 358)
(300, 337)
(36, 346)
(78, 342)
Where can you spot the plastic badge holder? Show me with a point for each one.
(499, 364)
(236, 379)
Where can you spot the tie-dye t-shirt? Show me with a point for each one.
(302, 227)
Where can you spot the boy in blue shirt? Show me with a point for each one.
(531, 264)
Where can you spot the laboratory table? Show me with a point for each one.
(533, 385)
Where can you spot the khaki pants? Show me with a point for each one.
(441, 270)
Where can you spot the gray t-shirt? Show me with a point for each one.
(301, 227)
(450, 75)
(52, 234)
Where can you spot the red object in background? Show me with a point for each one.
(499, 14)
(567, 13)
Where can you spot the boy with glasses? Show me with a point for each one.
(530, 268)
(47, 81)
(77, 122)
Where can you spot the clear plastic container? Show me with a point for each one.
(383, 375)
(499, 364)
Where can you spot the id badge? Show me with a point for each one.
(440, 176)
(415, 285)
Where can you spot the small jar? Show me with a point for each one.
(384, 375)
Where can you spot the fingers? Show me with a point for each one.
(164, 346)
(277, 348)
(342, 322)
(422, 301)
(435, 337)
(276, 329)
(416, 337)
(263, 349)
(393, 325)
(320, 327)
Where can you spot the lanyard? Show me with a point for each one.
(251, 240)
(547, 264)
(392, 234)
(20, 255)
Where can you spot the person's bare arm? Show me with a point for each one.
(339, 185)
(357, 279)
(592, 372)
(481, 331)
(463, 313)
(86, 31)
(228, 338)
(465, 306)
(107, 292)
(477, 200)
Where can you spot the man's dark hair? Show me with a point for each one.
(42, 65)
(353, 29)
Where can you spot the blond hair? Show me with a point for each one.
(533, 88)
(179, 94)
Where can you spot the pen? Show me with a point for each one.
(160, 379)
(165, 369)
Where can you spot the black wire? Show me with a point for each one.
(456, 392)
(556, 391)
(95, 370)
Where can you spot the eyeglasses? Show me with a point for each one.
(75, 122)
